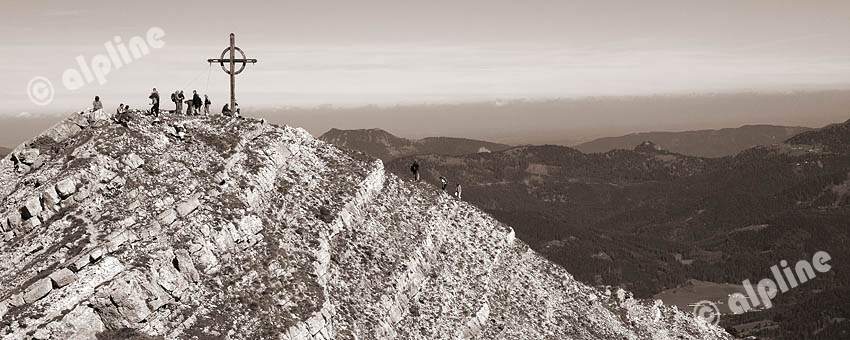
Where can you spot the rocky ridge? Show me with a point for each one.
(246, 230)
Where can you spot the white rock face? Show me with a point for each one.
(248, 230)
(66, 187)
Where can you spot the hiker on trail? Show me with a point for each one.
(154, 102)
(444, 181)
(180, 99)
(96, 104)
(196, 101)
(458, 191)
(415, 170)
(207, 104)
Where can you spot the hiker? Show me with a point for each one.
(180, 99)
(179, 131)
(123, 116)
(458, 191)
(154, 102)
(120, 109)
(196, 101)
(174, 100)
(207, 104)
(189, 106)
(96, 104)
(444, 181)
(225, 110)
(415, 170)
(236, 113)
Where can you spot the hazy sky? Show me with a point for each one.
(346, 52)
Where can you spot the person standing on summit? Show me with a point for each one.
(415, 170)
(180, 99)
(154, 97)
(196, 102)
(207, 104)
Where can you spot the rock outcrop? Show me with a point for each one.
(246, 230)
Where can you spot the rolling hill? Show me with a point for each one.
(702, 143)
(385, 146)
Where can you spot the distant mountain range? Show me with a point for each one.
(386, 146)
(649, 219)
(703, 143)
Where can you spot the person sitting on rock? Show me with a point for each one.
(225, 110)
(120, 109)
(96, 105)
(123, 117)
(179, 131)
(444, 181)
(458, 192)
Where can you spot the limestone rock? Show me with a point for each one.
(14, 219)
(17, 300)
(63, 131)
(167, 217)
(122, 302)
(31, 224)
(250, 225)
(28, 156)
(38, 290)
(81, 323)
(62, 277)
(4, 307)
(66, 187)
(133, 161)
(187, 207)
(77, 263)
(185, 265)
(32, 206)
(78, 120)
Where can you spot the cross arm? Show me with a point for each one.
(252, 61)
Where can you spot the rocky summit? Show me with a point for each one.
(245, 230)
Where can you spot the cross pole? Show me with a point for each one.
(232, 60)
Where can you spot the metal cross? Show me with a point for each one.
(232, 61)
